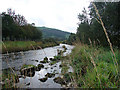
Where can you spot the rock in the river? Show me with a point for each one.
(28, 84)
(45, 60)
(51, 67)
(59, 80)
(52, 59)
(36, 60)
(40, 65)
(29, 71)
(38, 68)
(50, 75)
(43, 79)
(60, 65)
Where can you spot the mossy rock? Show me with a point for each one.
(28, 70)
(39, 66)
(45, 58)
(44, 61)
(59, 80)
(52, 59)
(50, 75)
(60, 52)
(43, 79)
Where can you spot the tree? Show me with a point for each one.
(15, 27)
(72, 38)
(83, 28)
(109, 12)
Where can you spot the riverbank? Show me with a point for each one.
(15, 46)
(93, 67)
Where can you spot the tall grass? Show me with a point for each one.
(108, 39)
(14, 46)
(94, 67)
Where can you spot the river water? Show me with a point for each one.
(16, 60)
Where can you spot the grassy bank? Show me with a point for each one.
(94, 67)
(14, 46)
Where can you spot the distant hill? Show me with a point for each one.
(54, 33)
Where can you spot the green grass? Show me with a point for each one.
(94, 67)
(8, 78)
(14, 46)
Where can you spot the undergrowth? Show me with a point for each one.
(94, 67)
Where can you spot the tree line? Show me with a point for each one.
(89, 28)
(15, 27)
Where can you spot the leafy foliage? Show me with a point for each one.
(15, 27)
(90, 29)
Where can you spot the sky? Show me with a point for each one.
(59, 14)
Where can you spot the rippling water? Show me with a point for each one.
(16, 60)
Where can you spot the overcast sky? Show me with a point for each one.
(60, 14)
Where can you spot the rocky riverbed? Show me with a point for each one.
(37, 68)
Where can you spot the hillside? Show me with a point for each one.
(54, 33)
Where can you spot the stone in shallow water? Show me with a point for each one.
(50, 75)
(60, 65)
(45, 58)
(43, 79)
(30, 71)
(44, 61)
(59, 80)
(39, 66)
(52, 59)
(28, 84)
(36, 60)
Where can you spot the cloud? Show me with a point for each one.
(61, 14)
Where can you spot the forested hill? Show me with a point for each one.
(54, 33)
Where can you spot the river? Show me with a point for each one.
(16, 60)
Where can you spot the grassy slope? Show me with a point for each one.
(13, 46)
(94, 67)
(54, 33)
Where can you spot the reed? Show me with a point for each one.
(93, 67)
